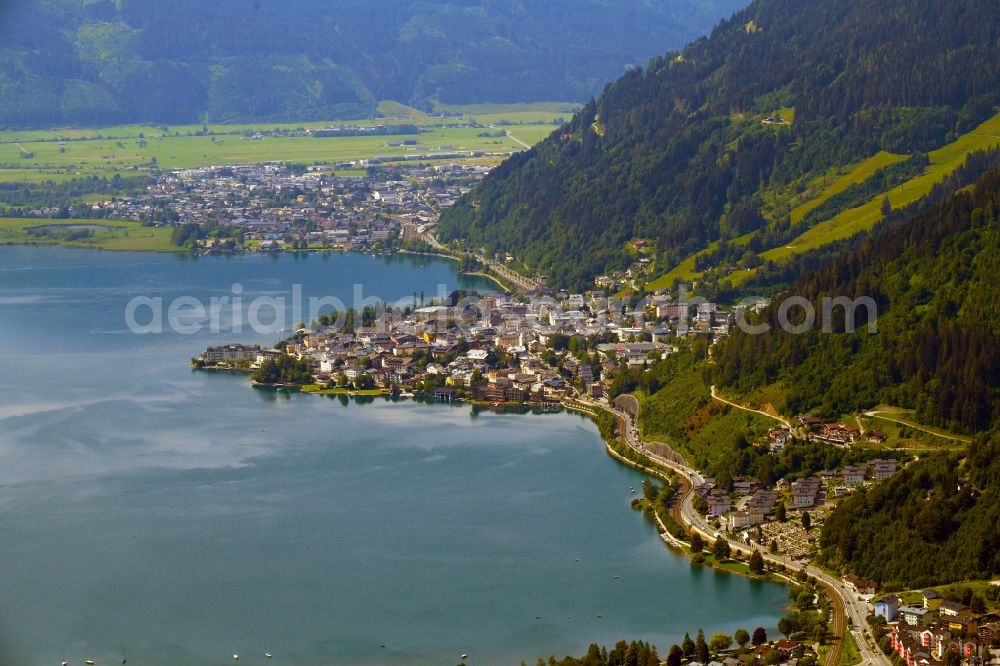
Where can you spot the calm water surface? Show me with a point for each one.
(179, 517)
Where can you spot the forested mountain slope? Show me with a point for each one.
(935, 522)
(678, 154)
(109, 61)
(937, 345)
(936, 350)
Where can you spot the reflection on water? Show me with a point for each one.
(173, 516)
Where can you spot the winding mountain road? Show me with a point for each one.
(879, 415)
(716, 396)
(846, 605)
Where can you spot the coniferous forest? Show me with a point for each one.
(676, 152)
(937, 346)
(937, 520)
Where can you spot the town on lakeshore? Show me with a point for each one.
(377, 204)
(541, 347)
(550, 349)
(275, 207)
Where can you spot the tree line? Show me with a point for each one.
(112, 61)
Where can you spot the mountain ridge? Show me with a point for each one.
(66, 62)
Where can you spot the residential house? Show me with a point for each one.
(808, 421)
(962, 623)
(672, 310)
(352, 372)
(932, 600)
(989, 632)
(854, 476)
(837, 433)
(931, 637)
(861, 586)
(888, 607)
(788, 648)
(778, 436)
(914, 615)
(954, 609)
(966, 648)
(805, 492)
(326, 363)
(744, 488)
(740, 520)
(882, 469)
(718, 502)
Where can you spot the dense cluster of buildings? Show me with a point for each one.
(276, 206)
(924, 633)
(495, 348)
(747, 503)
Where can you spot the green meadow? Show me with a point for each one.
(112, 234)
(856, 175)
(63, 153)
(195, 151)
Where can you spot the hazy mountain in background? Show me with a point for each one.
(105, 61)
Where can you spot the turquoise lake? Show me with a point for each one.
(170, 516)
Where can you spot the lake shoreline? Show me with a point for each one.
(217, 509)
(97, 244)
(672, 541)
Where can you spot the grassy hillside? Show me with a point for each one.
(942, 162)
(843, 223)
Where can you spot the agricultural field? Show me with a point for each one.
(194, 151)
(534, 113)
(64, 153)
(94, 234)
